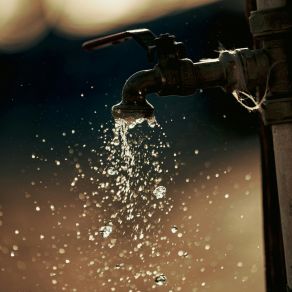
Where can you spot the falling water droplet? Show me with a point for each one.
(105, 231)
(174, 229)
(182, 253)
(111, 171)
(116, 141)
(159, 192)
(160, 280)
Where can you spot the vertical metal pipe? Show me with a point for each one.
(282, 143)
(273, 238)
(282, 139)
(267, 4)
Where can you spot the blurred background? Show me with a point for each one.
(55, 97)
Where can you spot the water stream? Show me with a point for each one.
(131, 187)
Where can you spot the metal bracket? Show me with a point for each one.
(271, 21)
(277, 111)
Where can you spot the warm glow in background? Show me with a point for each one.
(23, 22)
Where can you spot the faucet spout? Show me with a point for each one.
(134, 104)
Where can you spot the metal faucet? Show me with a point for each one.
(175, 74)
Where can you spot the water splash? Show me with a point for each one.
(159, 192)
(135, 165)
(124, 174)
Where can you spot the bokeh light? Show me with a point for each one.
(24, 22)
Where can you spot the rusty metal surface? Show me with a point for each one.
(282, 137)
(269, 4)
(272, 21)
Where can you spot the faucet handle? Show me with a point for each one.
(165, 45)
(143, 36)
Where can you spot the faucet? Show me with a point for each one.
(175, 74)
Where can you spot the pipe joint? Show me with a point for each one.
(245, 69)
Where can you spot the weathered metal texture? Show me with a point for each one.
(273, 21)
(271, 26)
(272, 29)
(277, 111)
(282, 139)
(273, 239)
(244, 69)
(268, 4)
